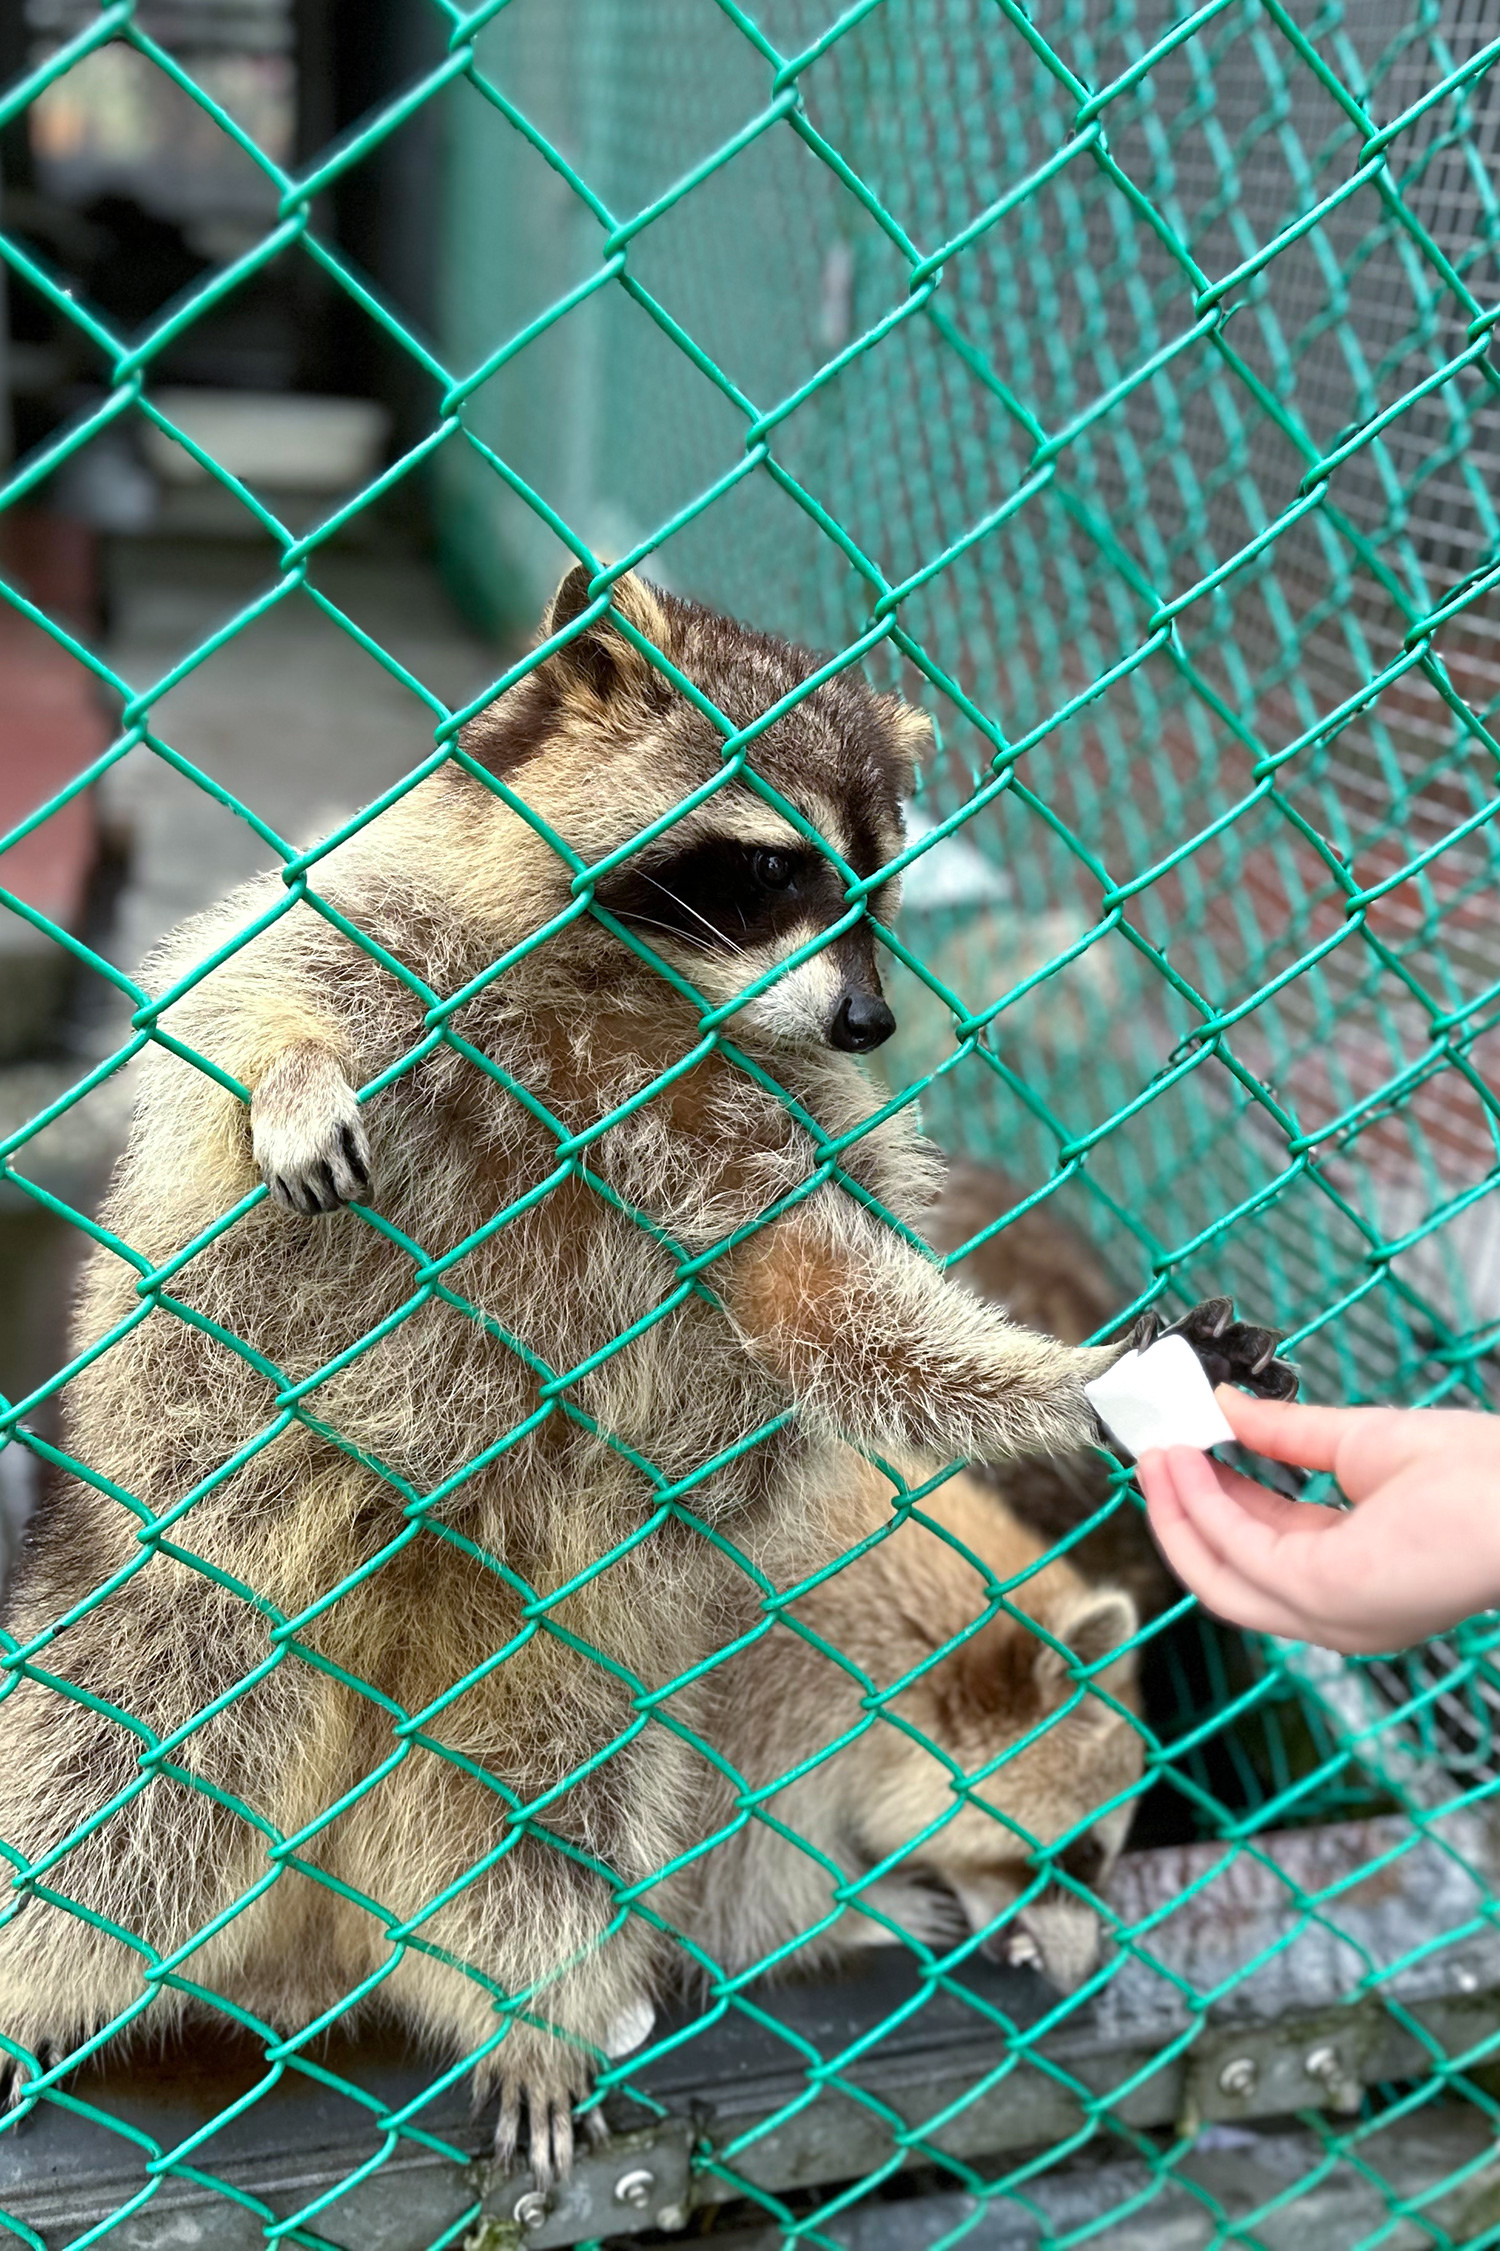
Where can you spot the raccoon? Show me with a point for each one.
(954, 1777)
(559, 1250)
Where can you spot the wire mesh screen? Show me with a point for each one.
(1117, 388)
(1035, 558)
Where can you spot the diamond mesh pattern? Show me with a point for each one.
(1120, 386)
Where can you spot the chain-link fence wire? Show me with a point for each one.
(1119, 386)
(1070, 295)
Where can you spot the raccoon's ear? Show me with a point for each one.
(910, 734)
(1102, 1621)
(598, 668)
(600, 661)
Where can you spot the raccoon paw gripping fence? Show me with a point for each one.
(1117, 387)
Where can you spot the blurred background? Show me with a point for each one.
(125, 195)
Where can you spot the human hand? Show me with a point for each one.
(1419, 1550)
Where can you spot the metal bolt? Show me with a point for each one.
(635, 2189)
(1325, 2064)
(1238, 2076)
(530, 2210)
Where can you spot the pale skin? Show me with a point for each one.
(1418, 1550)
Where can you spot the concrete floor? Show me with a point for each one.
(291, 715)
(300, 723)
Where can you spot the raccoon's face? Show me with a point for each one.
(1034, 1911)
(765, 912)
(748, 907)
(1019, 1862)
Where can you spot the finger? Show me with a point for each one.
(1271, 1507)
(1236, 1604)
(1280, 1550)
(1204, 1485)
(1307, 1437)
(1217, 1585)
(1154, 1478)
(1395, 1439)
(1188, 1545)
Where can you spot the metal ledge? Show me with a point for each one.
(1299, 1937)
(1442, 2163)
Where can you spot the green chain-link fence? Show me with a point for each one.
(1119, 386)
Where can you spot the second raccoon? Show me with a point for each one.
(950, 1777)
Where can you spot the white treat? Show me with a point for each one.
(630, 2027)
(1159, 1397)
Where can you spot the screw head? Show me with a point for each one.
(530, 2210)
(1322, 2062)
(1238, 2076)
(635, 2188)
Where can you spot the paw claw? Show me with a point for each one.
(310, 1143)
(558, 2134)
(595, 2126)
(356, 1155)
(16, 2078)
(508, 2125)
(536, 2118)
(1236, 1352)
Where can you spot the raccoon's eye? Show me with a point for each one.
(773, 871)
(1085, 1860)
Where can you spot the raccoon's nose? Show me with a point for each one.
(861, 1021)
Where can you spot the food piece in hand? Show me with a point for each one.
(1159, 1397)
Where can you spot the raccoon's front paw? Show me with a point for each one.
(309, 1139)
(1230, 1351)
(539, 2091)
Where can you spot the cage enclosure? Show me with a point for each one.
(1117, 386)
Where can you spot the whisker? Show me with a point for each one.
(720, 937)
(684, 938)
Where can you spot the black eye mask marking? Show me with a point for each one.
(722, 893)
(1085, 1859)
